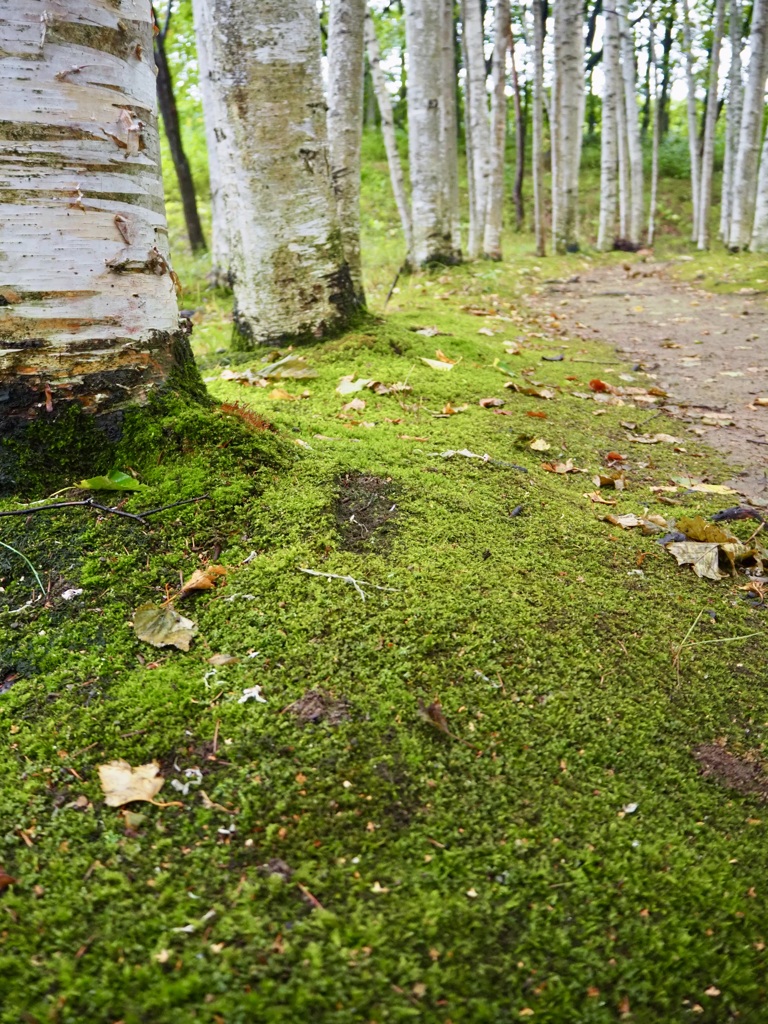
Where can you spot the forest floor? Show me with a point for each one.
(448, 744)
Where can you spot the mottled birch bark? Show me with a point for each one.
(613, 92)
(494, 214)
(88, 313)
(693, 132)
(745, 167)
(732, 116)
(388, 134)
(431, 243)
(220, 274)
(346, 71)
(623, 158)
(449, 126)
(634, 146)
(759, 240)
(477, 118)
(538, 124)
(708, 151)
(291, 279)
(567, 109)
(656, 133)
(520, 125)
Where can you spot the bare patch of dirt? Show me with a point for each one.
(732, 772)
(365, 508)
(319, 706)
(708, 351)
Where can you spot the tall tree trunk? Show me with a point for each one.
(634, 147)
(477, 118)
(708, 154)
(449, 139)
(520, 122)
(623, 159)
(220, 275)
(388, 133)
(613, 93)
(656, 133)
(666, 73)
(745, 167)
(693, 141)
(538, 124)
(346, 67)
(732, 116)
(759, 241)
(290, 276)
(494, 213)
(568, 111)
(431, 244)
(88, 312)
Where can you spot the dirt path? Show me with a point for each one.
(709, 351)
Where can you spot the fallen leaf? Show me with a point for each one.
(491, 403)
(759, 402)
(449, 410)
(535, 414)
(703, 557)
(525, 1012)
(356, 405)
(601, 385)
(560, 467)
(540, 445)
(202, 579)
(433, 714)
(347, 385)
(377, 887)
(5, 879)
(699, 529)
(598, 499)
(615, 457)
(162, 626)
(219, 660)
(472, 893)
(123, 784)
(712, 991)
(428, 332)
(626, 521)
(436, 364)
(615, 480)
(712, 489)
(252, 693)
(281, 395)
(503, 368)
(115, 480)
(444, 358)
(486, 331)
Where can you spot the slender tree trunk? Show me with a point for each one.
(613, 93)
(220, 274)
(538, 119)
(623, 156)
(666, 73)
(693, 141)
(732, 116)
(449, 140)
(477, 118)
(646, 121)
(88, 312)
(346, 68)
(520, 122)
(494, 213)
(745, 167)
(634, 147)
(568, 108)
(656, 133)
(708, 154)
(291, 279)
(431, 244)
(388, 133)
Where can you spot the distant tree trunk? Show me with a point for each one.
(494, 214)
(290, 276)
(538, 121)
(431, 244)
(656, 133)
(220, 275)
(88, 313)
(568, 110)
(646, 122)
(623, 158)
(520, 122)
(167, 102)
(346, 68)
(708, 154)
(388, 133)
(449, 126)
(745, 167)
(732, 116)
(634, 148)
(477, 119)
(693, 141)
(613, 94)
(666, 73)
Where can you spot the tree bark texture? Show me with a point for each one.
(290, 277)
(656, 133)
(88, 311)
(693, 135)
(732, 116)
(346, 69)
(494, 214)
(708, 152)
(745, 166)
(449, 126)
(479, 130)
(613, 92)
(520, 123)
(634, 148)
(568, 110)
(388, 134)
(538, 127)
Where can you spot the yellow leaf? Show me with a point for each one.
(123, 784)
(281, 395)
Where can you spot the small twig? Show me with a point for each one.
(723, 640)
(347, 579)
(86, 503)
(753, 535)
(216, 736)
(313, 900)
(391, 291)
(22, 555)
(753, 440)
(164, 508)
(676, 656)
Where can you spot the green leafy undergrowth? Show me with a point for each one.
(559, 855)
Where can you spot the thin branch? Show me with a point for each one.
(347, 579)
(90, 503)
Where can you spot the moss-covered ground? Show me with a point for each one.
(558, 856)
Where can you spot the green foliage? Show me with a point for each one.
(114, 480)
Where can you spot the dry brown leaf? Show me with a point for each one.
(203, 579)
(491, 403)
(123, 784)
(703, 557)
(163, 626)
(615, 480)
(5, 879)
(598, 499)
(539, 445)
(444, 358)
(219, 660)
(560, 467)
(356, 405)
(281, 395)
(433, 714)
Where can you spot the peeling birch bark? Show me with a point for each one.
(538, 122)
(693, 131)
(708, 153)
(632, 122)
(346, 68)
(656, 133)
(567, 109)
(477, 117)
(290, 277)
(495, 196)
(88, 310)
(609, 157)
(732, 116)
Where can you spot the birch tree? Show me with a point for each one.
(346, 68)
(291, 279)
(384, 102)
(656, 131)
(745, 166)
(495, 200)
(449, 127)
(708, 152)
(633, 144)
(88, 313)
(538, 122)
(478, 131)
(566, 125)
(613, 93)
(693, 134)
(732, 116)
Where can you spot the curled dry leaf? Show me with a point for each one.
(759, 403)
(704, 558)
(535, 414)
(356, 405)
(162, 626)
(654, 439)
(598, 499)
(281, 395)
(560, 467)
(433, 714)
(449, 410)
(219, 660)
(203, 579)
(436, 364)
(123, 784)
(601, 385)
(491, 403)
(615, 480)
(539, 445)
(444, 358)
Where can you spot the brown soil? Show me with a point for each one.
(709, 351)
(365, 508)
(732, 772)
(318, 706)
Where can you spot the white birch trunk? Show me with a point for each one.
(220, 269)
(538, 124)
(431, 244)
(708, 154)
(759, 241)
(613, 92)
(732, 117)
(567, 107)
(745, 167)
(449, 127)
(346, 69)
(290, 276)
(656, 135)
(88, 313)
(693, 132)
(634, 147)
(477, 117)
(621, 134)
(495, 203)
(388, 134)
